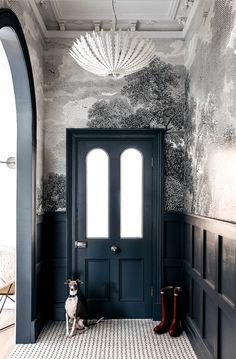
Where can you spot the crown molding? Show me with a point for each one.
(48, 34)
(56, 10)
(39, 18)
(193, 11)
(144, 34)
(173, 9)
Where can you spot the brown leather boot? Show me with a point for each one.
(166, 310)
(175, 327)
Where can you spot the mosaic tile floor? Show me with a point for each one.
(110, 339)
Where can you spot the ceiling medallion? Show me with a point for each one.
(112, 53)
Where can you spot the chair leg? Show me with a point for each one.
(11, 299)
(4, 297)
(4, 301)
(7, 326)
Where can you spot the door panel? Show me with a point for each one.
(131, 271)
(116, 264)
(97, 279)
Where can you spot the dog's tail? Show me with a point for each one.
(97, 321)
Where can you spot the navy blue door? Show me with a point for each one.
(112, 225)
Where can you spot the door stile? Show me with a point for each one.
(114, 217)
(114, 209)
(81, 205)
(158, 221)
(148, 213)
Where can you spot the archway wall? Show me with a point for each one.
(35, 42)
(29, 103)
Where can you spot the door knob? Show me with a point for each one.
(115, 249)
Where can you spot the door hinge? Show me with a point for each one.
(152, 161)
(152, 291)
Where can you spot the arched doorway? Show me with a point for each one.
(13, 41)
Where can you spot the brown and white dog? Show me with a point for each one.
(76, 310)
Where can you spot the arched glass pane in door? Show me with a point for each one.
(97, 163)
(131, 216)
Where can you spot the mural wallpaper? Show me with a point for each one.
(151, 98)
(200, 145)
(210, 119)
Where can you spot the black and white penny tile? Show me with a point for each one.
(110, 339)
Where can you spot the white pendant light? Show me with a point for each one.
(112, 53)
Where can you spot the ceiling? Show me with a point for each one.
(158, 18)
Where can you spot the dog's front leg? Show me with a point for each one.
(67, 325)
(73, 328)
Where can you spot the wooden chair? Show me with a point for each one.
(5, 293)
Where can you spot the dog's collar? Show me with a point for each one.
(72, 296)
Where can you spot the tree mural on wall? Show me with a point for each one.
(157, 89)
(108, 114)
(151, 98)
(51, 195)
(210, 117)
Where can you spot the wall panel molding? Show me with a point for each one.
(209, 268)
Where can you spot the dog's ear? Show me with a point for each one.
(67, 281)
(79, 281)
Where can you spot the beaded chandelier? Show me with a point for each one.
(112, 53)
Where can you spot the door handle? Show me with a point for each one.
(80, 244)
(115, 249)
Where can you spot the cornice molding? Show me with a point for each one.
(146, 34)
(173, 9)
(39, 18)
(56, 10)
(192, 12)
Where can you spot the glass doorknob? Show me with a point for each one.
(115, 249)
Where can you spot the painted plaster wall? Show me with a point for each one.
(34, 40)
(75, 98)
(210, 162)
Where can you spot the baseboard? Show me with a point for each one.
(196, 340)
(36, 326)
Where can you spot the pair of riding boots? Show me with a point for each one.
(170, 307)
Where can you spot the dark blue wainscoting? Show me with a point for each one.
(55, 237)
(198, 253)
(173, 250)
(40, 274)
(210, 286)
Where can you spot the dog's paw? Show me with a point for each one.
(72, 334)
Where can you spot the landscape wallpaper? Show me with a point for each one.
(210, 115)
(190, 89)
(75, 98)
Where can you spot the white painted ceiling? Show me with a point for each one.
(84, 15)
